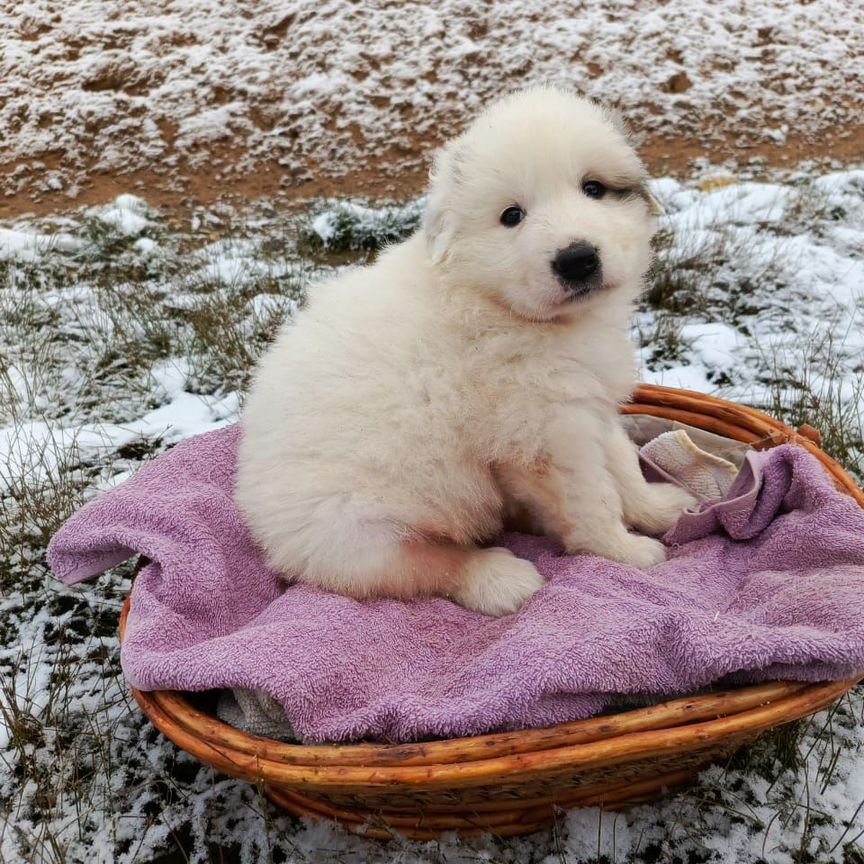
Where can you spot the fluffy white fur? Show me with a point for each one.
(416, 402)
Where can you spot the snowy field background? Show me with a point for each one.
(279, 94)
(124, 330)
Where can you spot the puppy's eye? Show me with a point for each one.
(512, 216)
(593, 188)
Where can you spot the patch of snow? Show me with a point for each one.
(127, 213)
(145, 245)
(715, 345)
(213, 124)
(25, 244)
(689, 376)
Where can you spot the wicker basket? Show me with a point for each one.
(511, 783)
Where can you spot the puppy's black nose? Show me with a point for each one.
(579, 262)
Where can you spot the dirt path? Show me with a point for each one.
(184, 187)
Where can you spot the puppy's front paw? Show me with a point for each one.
(626, 548)
(659, 508)
(643, 552)
(497, 583)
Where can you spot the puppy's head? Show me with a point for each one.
(541, 205)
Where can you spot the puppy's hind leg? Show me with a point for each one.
(495, 582)
(573, 507)
(381, 564)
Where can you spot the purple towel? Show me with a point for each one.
(767, 584)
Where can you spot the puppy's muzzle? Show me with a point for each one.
(578, 268)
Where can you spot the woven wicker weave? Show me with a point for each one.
(511, 783)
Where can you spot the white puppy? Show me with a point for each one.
(473, 368)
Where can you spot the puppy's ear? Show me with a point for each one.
(616, 119)
(655, 208)
(619, 124)
(438, 219)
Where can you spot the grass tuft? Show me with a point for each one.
(346, 227)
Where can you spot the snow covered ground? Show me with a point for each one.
(122, 333)
(100, 87)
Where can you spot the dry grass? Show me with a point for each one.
(85, 339)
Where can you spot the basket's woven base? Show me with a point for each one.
(501, 809)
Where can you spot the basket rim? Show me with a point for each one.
(693, 722)
(261, 765)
